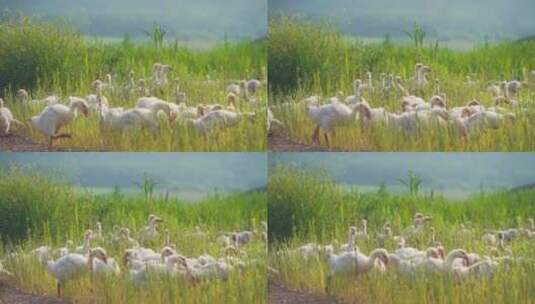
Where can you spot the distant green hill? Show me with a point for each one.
(528, 38)
(525, 187)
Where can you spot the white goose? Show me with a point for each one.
(23, 97)
(440, 265)
(86, 245)
(150, 232)
(117, 119)
(218, 119)
(6, 120)
(73, 265)
(328, 116)
(481, 269)
(56, 116)
(357, 93)
(351, 236)
(355, 262)
(272, 120)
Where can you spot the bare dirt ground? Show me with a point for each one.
(20, 143)
(279, 294)
(12, 295)
(279, 141)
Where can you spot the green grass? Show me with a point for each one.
(307, 58)
(47, 58)
(307, 206)
(51, 212)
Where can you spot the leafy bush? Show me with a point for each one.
(33, 52)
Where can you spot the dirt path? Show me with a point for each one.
(20, 143)
(17, 143)
(278, 141)
(279, 294)
(12, 295)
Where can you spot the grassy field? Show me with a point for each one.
(52, 212)
(46, 59)
(316, 59)
(306, 206)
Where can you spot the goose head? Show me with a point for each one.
(22, 95)
(381, 254)
(457, 254)
(388, 231)
(231, 99)
(400, 241)
(128, 256)
(79, 104)
(166, 252)
(363, 109)
(432, 252)
(88, 234)
(425, 69)
(352, 231)
(437, 101)
(100, 253)
(166, 68)
(156, 67)
(124, 232)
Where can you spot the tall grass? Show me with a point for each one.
(48, 58)
(307, 58)
(49, 206)
(316, 209)
(37, 210)
(315, 56)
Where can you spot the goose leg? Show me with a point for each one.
(315, 135)
(464, 137)
(327, 140)
(328, 284)
(58, 286)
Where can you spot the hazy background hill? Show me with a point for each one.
(443, 19)
(186, 20)
(189, 175)
(456, 175)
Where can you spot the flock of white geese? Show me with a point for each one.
(203, 117)
(415, 111)
(459, 264)
(141, 262)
